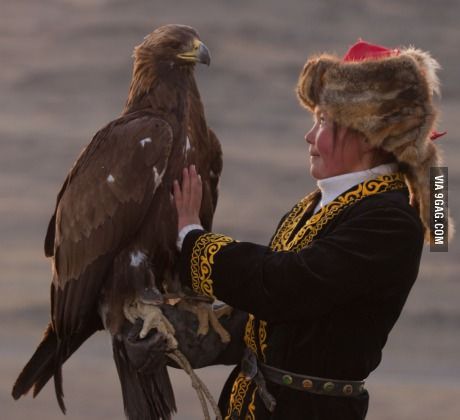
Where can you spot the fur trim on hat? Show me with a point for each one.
(389, 100)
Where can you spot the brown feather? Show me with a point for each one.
(116, 201)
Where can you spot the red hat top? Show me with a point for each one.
(363, 50)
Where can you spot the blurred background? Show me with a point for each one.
(65, 72)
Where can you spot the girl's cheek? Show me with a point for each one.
(324, 146)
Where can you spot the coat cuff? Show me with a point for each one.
(197, 259)
(183, 233)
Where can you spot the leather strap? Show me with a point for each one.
(249, 368)
(313, 384)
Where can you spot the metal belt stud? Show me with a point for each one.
(316, 385)
(287, 379)
(348, 389)
(307, 384)
(328, 386)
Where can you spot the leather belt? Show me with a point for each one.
(255, 370)
(313, 384)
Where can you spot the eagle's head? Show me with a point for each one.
(173, 45)
(167, 55)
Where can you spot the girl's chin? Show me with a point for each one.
(314, 173)
(314, 170)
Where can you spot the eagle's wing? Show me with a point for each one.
(100, 208)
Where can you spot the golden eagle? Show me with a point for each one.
(113, 233)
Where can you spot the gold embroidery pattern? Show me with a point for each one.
(284, 232)
(375, 186)
(249, 334)
(317, 222)
(282, 242)
(204, 250)
(263, 338)
(251, 415)
(239, 390)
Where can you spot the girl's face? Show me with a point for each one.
(333, 155)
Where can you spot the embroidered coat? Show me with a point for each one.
(321, 298)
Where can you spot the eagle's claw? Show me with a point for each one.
(151, 317)
(206, 315)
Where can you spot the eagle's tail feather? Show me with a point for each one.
(43, 364)
(145, 396)
(76, 343)
(58, 376)
(37, 366)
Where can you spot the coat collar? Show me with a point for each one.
(335, 185)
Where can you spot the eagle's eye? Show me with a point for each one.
(175, 45)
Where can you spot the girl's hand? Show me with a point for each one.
(188, 198)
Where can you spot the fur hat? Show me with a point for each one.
(387, 95)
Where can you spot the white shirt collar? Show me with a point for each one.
(335, 185)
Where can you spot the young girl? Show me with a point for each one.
(323, 296)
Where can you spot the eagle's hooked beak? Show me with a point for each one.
(198, 54)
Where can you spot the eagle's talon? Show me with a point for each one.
(202, 331)
(150, 317)
(224, 310)
(206, 315)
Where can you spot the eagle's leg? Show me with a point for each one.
(202, 313)
(206, 315)
(199, 311)
(130, 312)
(156, 319)
(171, 340)
(152, 318)
(224, 310)
(218, 328)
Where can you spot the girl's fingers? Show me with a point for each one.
(188, 196)
(197, 192)
(177, 194)
(185, 186)
(195, 187)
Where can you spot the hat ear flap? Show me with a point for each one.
(428, 66)
(310, 83)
